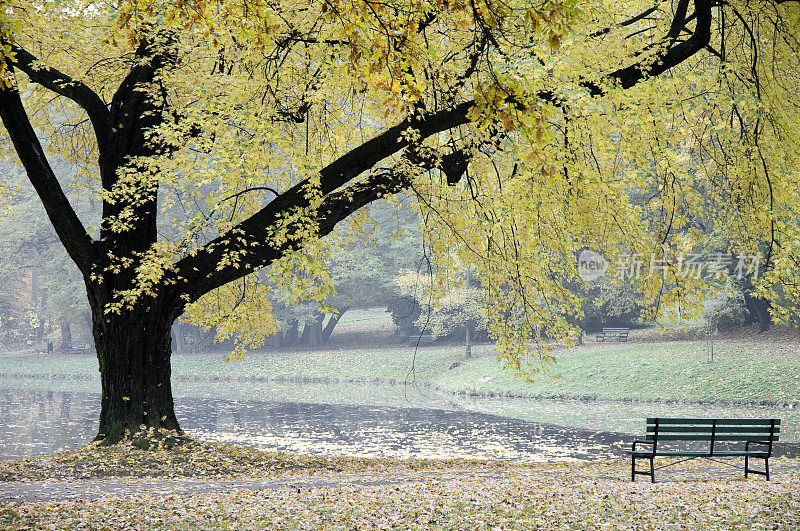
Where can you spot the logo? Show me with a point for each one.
(591, 265)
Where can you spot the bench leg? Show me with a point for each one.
(747, 468)
(652, 473)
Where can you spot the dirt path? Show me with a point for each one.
(616, 470)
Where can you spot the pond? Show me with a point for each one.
(45, 415)
(44, 421)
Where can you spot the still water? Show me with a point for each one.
(45, 414)
(39, 421)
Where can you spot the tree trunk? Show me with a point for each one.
(37, 306)
(305, 334)
(66, 333)
(757, 310)
(133, 350)
(178, 338)
(87, 327)
(332, 322)
(312, 331)
(277, 339)
(468, 338)
(315, 332)
(290, 336)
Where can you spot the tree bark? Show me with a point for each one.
(66, 333)
(133, 350)
(758, 311)
(315, 333)
(304, 336)
(757, 307)
(468, 338)
(178, 338)
(290, 335)
(277, 339)
(332, 322)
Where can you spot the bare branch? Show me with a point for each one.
(65, 86)
(65, 221)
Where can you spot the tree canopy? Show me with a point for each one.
(228, 136)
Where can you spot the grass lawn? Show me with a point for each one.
(354, 494)
(743, 372)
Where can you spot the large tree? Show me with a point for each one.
(227, 136)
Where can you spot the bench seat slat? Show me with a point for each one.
(676, 453)
(720, 422)
(740, 453)
(719, 429)
(705, 437)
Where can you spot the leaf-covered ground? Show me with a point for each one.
(200, 459)
(347, 493)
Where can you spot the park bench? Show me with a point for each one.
(74, 348)
(420, 338)
(618, 334)
(707, 438)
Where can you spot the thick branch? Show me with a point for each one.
(678, 20)
(262, 250)
(137, 108)
(365, 156)
(65, 222)
(641, 16)
(202, 268)
(674, 54)
(249, 242)
(65, 86)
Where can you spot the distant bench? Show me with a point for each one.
(758, 436)
(617, 334)
(74, 348)
(420, 338)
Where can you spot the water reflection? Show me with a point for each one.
(392, 432)
(36, 421)
(44, 421)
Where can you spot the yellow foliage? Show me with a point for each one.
(263, 96)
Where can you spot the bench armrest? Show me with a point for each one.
(748, 443)
(652, 443)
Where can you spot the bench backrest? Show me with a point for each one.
(616, 330)
(723, 430)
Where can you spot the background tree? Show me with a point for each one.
(452, 310)
(267, 124)
(40, 283)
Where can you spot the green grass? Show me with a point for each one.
(667, 373)
(744, 372)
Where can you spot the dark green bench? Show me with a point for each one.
(618, 334)
(715, 438)
(420, 338)
(74, 348)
